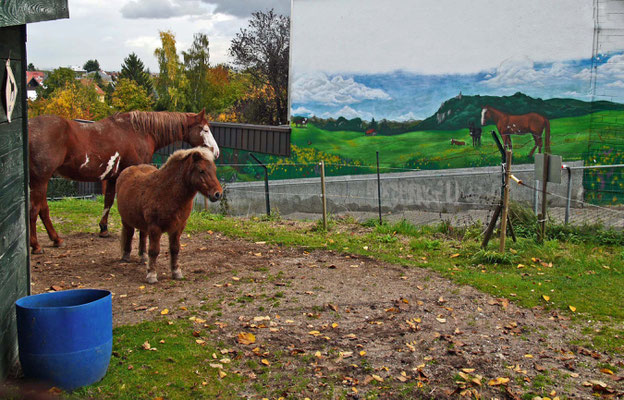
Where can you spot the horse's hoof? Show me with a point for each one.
(104, 234)
(142, 259)
(125, 258)
(177, 274)
(60, 243)
(152, 277)
(38, 250)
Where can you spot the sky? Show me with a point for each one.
(109, 30)
(353, 58)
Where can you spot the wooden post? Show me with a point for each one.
(323, 195)
(505, 210)
(379, 190)
(542, 216)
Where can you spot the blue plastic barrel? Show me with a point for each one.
(65, 338)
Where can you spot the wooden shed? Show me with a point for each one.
(14, 255)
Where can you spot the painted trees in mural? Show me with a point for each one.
(419, 75)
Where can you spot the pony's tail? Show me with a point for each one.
(547, 140)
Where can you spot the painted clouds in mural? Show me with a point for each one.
(417, 74)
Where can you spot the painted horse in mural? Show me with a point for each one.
(146, 203)
(508, 124)
(99, 152)
(475, 134)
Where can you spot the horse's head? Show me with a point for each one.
(202, 173)
(485, 115)
(199, 133)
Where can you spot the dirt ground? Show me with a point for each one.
(368, 324)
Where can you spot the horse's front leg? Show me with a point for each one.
(154, 250)
(109, 198)
(174, 251)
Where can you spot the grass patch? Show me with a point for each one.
(585, 273)
(179, 369)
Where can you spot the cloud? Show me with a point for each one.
(162, 9)
(320, 88)
(143, 42)
(515, 72)
(302, 111)
(348, 113)
(616, 84)
(244, 8)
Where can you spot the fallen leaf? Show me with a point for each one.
(265, 362)
(222, 374)
(572, 308)
(606, 371)
(246, 338)
(377, 378)
(498, 381)
(164, 312)
(454, 255)
(146, 345)
(545, 297)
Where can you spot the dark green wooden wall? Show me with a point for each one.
(14, 258)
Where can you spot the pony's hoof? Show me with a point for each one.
(37, 250)
(177, 274)
(151, 277)
(125, 258)
(104, 234)
(143, 259)
(59, 243)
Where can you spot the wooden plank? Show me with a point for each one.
(11, 43)
(13, 229)
(20, 12)
(10, 136)
(11, 165)
(11, 198)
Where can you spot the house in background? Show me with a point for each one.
(100, 93)
(34, 79)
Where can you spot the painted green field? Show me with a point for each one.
(433, 149)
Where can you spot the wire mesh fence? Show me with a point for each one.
(465, 196)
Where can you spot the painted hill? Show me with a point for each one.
(455, 113)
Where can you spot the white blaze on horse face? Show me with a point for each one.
(110, 165)
(209, 140)
(483, 116)
(86, 161)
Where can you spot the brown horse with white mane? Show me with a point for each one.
(156, 201)
(508, 125)
(99, 152)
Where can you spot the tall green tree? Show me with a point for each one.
(31, 67)
(171, 83)
(59, 78)
(134, 69)
(197, 65)
(262, 50)
(129, 96)
(91, 65)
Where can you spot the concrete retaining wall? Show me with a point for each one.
(437, 190)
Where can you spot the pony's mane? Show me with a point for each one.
(179, 155)
(165, 126)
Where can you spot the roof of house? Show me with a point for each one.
(38, 76)
(370, 130)
(88, 82)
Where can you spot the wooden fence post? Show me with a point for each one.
(323, 194)
(505, 210)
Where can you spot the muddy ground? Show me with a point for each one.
(363, 324)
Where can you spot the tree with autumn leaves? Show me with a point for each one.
(252, 90)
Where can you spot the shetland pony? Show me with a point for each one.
(156, 201)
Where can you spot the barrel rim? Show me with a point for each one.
(21, 301)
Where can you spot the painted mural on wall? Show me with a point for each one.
(424, 83)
